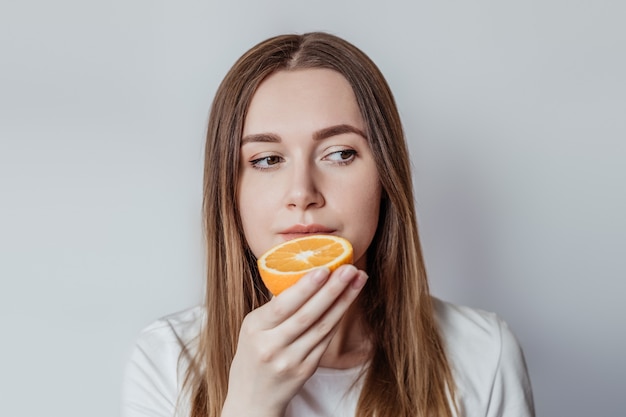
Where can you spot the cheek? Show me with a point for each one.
(369, 212)
(249, 197)
(364, 214)
(255, 212)
(245, 201)
(369, 192)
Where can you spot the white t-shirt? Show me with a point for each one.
(487, 364)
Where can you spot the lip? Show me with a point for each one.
(300, 230)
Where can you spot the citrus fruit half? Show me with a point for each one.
(284, 264)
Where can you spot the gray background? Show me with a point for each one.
(515, 116)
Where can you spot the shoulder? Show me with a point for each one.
(175, 329)
(486, 360)
(157, 364)
(461, 324)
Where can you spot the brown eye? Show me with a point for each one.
(272, 160)
(266, 162)
(343, 156)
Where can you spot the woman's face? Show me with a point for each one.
(306, 166)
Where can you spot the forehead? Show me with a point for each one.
(309, 98)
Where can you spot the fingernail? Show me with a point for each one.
(359, 281)
(348, 273)
(319, 275)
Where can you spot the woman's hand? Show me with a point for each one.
(281, 343)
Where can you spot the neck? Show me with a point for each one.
(350, 346)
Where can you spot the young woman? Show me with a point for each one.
(304, 137)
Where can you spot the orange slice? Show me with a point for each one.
(286, 263)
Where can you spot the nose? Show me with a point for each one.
(303, 191)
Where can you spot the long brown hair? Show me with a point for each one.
(409, 374)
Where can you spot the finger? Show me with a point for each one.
(315, 341)
(326, 307)
(310, 359)
(283, 306)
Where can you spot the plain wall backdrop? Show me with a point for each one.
(515, 116)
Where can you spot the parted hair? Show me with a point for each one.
(408, 372)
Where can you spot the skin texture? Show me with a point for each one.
(332, 182)
(296, 172)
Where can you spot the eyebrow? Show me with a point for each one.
(319, 135)
(337, 130)
(260, 137)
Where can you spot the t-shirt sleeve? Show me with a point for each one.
(150, 385)
(511, 393)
